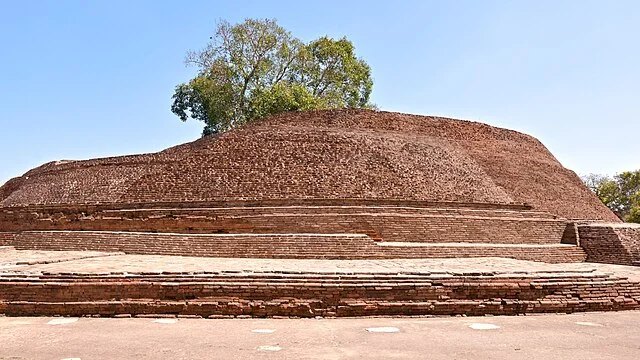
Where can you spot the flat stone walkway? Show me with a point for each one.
(596, 336)
(12, 258)
(104, 263)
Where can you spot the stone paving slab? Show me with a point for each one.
(101, 263)
(12, 258)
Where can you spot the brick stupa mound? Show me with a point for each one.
(344, 154)
(328, 213)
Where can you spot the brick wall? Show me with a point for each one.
(570, 235)
(246, 246)
(548, 254)
(383, 223)
(310, 294)
(301, 246)
(611, 243)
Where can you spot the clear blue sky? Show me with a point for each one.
(85, 79)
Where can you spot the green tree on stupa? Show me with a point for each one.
(257, 68)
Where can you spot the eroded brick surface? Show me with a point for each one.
(345, 154)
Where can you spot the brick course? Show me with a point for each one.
(6, 238)
(295, 246)
(383, 223)
(310, 294)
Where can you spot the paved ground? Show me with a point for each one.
(578, 336)
(11, 258)
(99, 263)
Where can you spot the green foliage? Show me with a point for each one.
(257, 68)
(634, 215)
(281, 97)
(334, 74)
(621, 193)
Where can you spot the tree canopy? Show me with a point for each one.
(257, 68)
(620, 193)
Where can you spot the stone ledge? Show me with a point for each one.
(463, 245)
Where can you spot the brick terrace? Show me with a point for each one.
(137, 284)
(277, 246)
(320, 228)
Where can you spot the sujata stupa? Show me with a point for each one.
(332, 156)
(339, 184)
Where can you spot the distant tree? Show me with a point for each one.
(257, 68)
(621, 193)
